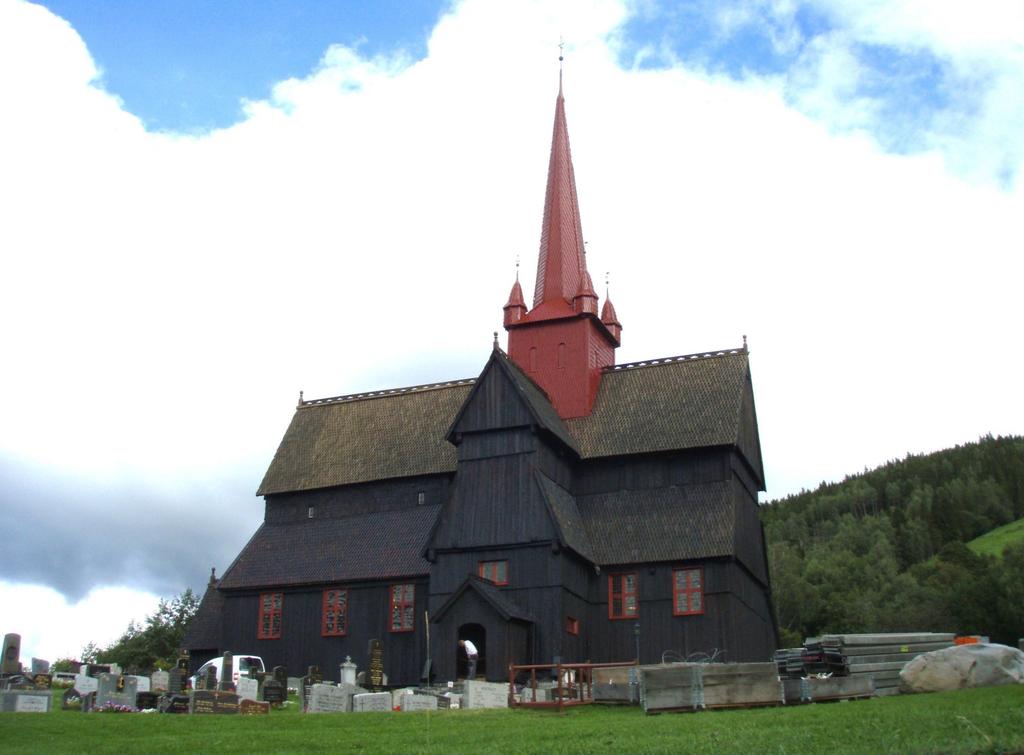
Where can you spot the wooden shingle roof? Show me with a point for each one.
(676, 523)
(380, 545)
(659, 405)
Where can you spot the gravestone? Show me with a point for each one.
(146, 700)
(281, 674)
(371, 701)
(70, 700)
(173, 703)
(248, 707)
(313, 676)
(159, 681)
(115, 669)
(227, 681)
(10, 661)
(88, 701)
(115, 689)
(449, 701)
(213, 702)
(141, 682)
(40, 666)
(347, 671)
(376, 675)
(326, 698)
(247, 689)
(175, 681)
(414, 702)
(274, 692)
(85, 684)
(484, 695)
(25, 701)
(95, 669)
(208, 681)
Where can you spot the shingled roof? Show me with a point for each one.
(645, 407)
(571, 528)
(676, 523)
(380, 545)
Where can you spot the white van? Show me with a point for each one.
(240, 667)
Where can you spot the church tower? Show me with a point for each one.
(562, 343)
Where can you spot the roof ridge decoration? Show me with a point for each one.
(661, 361)
(384, 393)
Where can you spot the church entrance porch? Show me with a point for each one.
(472, 640)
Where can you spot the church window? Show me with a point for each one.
(335, 614)
(572, 625)
(421, 498)
(622, 596)
(495, 571)
(269, 627)
(402, 611)
(687, 592)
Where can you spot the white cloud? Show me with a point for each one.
(167, 296)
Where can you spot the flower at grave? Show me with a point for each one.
(116, 708)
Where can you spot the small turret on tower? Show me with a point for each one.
(515, 308)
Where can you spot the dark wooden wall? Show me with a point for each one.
(365, 498)
(302, 645)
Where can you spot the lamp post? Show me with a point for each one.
(636, 633)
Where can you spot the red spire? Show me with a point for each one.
(610, 319)
(515, 307)
(585, 300)
(561, 263)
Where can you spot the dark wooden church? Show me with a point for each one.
(557, 506)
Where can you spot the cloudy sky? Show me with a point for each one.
(208, 207)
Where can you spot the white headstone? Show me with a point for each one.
(247, 689)
(159, 680)
(86, 684)
(485, 695)
(141, 683)
(347, 671)
(418, 702)
(32, 703)
(328, 698)
(371, 701)
(397, 695)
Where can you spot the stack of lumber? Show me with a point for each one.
(693, 686)
(790, 663)
(881, 656)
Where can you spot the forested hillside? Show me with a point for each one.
(886, 550)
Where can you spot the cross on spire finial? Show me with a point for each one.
(517, 267)
(561, 58)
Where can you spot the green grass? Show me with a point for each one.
(977, 720)
(993, 542)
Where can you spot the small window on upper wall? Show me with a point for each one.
(421, 498)
(271, 607)
(561, 356)
(495, 571)
(403, 614)
(687, 592)
(572, 625)
(623, 602)
(311, 512)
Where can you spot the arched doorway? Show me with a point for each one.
(476, 634)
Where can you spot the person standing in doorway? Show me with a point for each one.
(471, 657)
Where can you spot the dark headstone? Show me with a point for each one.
(376, 675)
(146, 700)
(313, 676)
(253, 708)
(281, 674)
(70, 700)
(227, 681)
(88, 702)
(10, 661)
(205, 702)
(208, 681)
(175, 681)
(173, 704)
(40, 666)
(274, 692)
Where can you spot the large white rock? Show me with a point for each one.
(963, 666)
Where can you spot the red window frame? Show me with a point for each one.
(271, 609)
(334, 621)
(687, 591)
(403, 612)
(494, 571)
(572, 625)
(623, 595)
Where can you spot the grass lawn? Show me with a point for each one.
(977, 720)
(993, 542)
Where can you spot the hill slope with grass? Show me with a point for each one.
(994, 542)
(886, 550)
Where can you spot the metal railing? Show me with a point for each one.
(574, 683)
